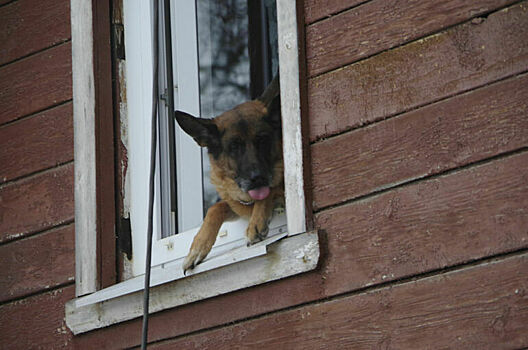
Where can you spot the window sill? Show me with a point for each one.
(289, 256)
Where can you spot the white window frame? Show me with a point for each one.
(298, 252)
(138, 45)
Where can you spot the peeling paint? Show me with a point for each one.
(306, 251)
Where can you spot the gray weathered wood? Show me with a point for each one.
(84, 147)
(288, 257)
(291, 116)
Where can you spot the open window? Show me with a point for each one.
(214, 56)
(201, 76)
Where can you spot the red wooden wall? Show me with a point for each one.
(36, 173)
(418, 115)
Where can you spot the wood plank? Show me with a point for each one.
(382, 24)
(207, 313)
(37, 322)
(28, 26)
(457, 60)
(292, 256)
(35, 83)
(292, 128)
(104, 136)
(385, 238)
(36, 143)
(441, 222)
(430, 140)
(85, 146)
(37, 263)
(484, 307)
(315, 10)
(36, 203)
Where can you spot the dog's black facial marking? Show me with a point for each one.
(215, 148)
(263, 143)
(253, 153)
(243, 126)
(236, 147)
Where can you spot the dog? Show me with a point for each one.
(244, 146)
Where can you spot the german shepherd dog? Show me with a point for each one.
(245, 150)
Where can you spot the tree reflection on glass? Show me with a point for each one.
(224, 65)
(224, 59)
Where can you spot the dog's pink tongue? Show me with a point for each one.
(259, 194)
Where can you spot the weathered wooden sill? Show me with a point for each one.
(289, 256)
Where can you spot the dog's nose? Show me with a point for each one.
(257, 178)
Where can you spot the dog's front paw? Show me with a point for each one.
(192, 259)
(256, 232)
(199, 250)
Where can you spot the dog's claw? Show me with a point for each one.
(255, 235)
(191, 260)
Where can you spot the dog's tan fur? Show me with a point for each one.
(235, 201)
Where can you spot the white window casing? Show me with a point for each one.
(279, 256)
(84, 148)
(138, 45)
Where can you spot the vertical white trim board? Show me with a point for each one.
(84, 147)
(291, 115)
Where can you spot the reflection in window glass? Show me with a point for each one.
(227, 31)
(223, 66)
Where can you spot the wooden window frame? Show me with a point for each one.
(167, 246)
(95, 189)
(95, 247)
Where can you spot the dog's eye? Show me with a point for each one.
(263, 142)
(236, 146)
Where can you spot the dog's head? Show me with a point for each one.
(245, 142)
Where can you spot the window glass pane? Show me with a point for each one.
(223, 65)
(227, 31)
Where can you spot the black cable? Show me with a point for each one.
(146, 292)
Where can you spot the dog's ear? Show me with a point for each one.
(274, 114)
(203, 131)
(271, 92)
(271, 98)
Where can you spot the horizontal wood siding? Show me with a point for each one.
(456, 60)
(28, 26)
(458, 197)
(36, 263)
(36, 174)
(475, 308)
(36, 143)
(444, 221)
(382, 24)
(464, 129)
(418, 123)
(37, 322)
(431, 225)
(37, 203)
(318, 9)
(35, 83)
